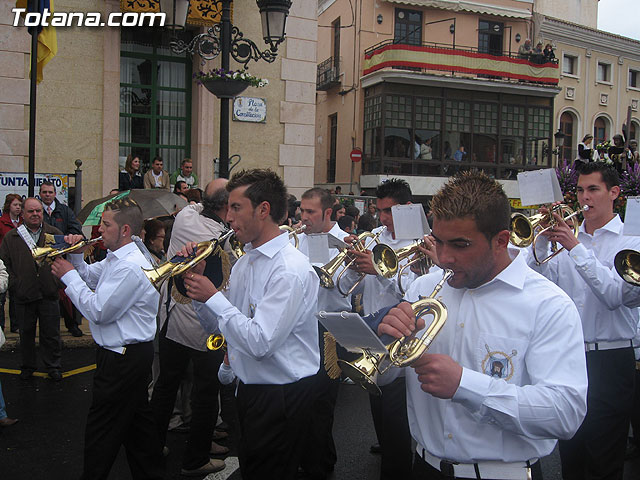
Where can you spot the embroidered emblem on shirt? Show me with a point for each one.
(498, 364)
(252, 310)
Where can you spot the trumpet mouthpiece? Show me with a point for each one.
(585, 208)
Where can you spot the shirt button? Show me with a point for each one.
(450, 436)
(462, 325)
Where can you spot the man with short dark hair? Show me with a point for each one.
(267, 316)
(585, 271)
(120, 304)
(505, 376)
(157, 177)
(59, 215)
(34, 290)
(186, 174)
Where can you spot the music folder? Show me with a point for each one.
(351, 331)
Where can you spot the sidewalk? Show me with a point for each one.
(68, 340)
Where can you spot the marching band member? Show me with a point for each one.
(121, 306)
(319, 455)
(268, 320)
(506, 375)
(389, 410)
(584, 270)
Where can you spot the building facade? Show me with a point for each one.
(111, 91)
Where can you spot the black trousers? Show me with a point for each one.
(174, 359)
(635, 411)
(273, 422)
(5, 297)
(423, 471)
(120, 415)
(28, 315)
(389, 412)
(597, 449)
(319, 453)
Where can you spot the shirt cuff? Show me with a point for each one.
(72, 276)
(473, 389)
(579, 254)
(75, 258)
(218, 303)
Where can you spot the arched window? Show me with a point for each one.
(567, 152)
(599, 130)
(633, 131)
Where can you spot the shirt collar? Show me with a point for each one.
(125, 250)
(514, 274)
(52, 206)
(274, 245)
(614, 226)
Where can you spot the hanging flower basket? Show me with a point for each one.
(228, 84)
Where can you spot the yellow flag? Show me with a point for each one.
(47, 39)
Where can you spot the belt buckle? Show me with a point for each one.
(446, 468)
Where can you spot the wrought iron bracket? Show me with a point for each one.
(209, 45)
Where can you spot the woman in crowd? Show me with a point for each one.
(586, 152)
(11, 218)
(337, 211)
(130, 177)
(154, 234)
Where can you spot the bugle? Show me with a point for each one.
(403, 351)
(293, 233)
(526, 231)
(179, 265)
(409, 251)
(216, 342)
(49, 254)
(627, 264)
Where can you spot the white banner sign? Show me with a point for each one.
(250, 109)
(19, 183)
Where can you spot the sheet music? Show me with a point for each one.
(539, 187)
(632, 217)
(351, 331)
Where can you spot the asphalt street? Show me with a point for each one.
(47, 441)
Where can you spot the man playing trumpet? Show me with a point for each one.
(505, 377)
(268, 320)
(584, 270)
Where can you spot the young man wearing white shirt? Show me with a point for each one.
(506, 375)
(319, 457)
(389, 410)
(585, 271)
(120, 304)
(268, 320)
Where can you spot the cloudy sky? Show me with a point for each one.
(620, 17)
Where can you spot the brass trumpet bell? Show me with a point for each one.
(237, 247)
(327, 271)
(216, 342)
(627, 264)
(293, 233)
(407, 252)
(403, 351)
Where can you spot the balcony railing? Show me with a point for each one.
(466, 61)
(328, 74)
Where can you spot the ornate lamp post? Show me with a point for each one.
(228, 41)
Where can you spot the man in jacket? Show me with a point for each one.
(157, 177)
(34, 290)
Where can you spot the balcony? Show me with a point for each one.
(462, 61)
(328, 74)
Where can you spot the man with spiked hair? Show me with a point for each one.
(505, 377)
(120, 304)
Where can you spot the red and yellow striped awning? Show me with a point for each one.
(201, 12)
(450, 60)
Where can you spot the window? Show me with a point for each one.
(569, 64)
(604, 72)
(634, 78)
(333, 147)
(599, 131)
(336, 43)
(408, 27)
(566, 126)
(155, 99)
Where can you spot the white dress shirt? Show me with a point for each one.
(587, 275)
(267, 315)
(190, 226)
(329, 299)
(377, 291)
(526, 331)
(115, 296)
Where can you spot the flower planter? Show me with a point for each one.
(225, 88)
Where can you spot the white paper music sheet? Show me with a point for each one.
(632, 217)
(539, 187)
(318, 248)
(351, 331)
(409, 221)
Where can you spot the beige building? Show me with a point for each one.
(111, 91)
(600, 80)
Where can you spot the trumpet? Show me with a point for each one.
(293, 233)
(403, 351)
(525, 230)
(627, 264)
(409, 251)
(49, 254)
(216, 342)
(385, 261)
(179, 265)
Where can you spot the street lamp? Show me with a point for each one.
(227, 40)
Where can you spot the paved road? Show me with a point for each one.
(47, 442)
